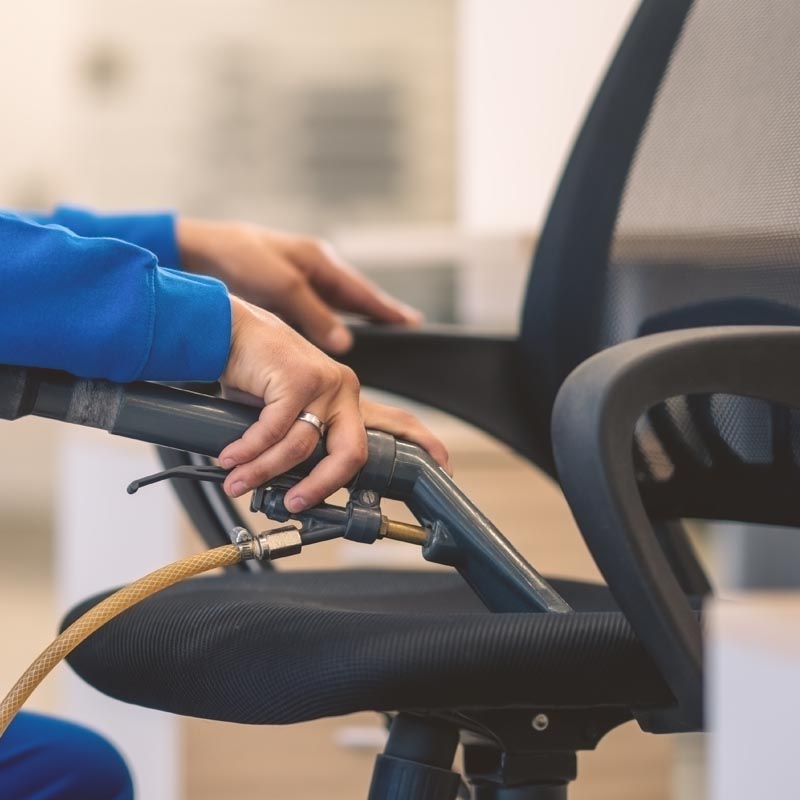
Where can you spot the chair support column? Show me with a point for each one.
(520, 793)
(416, 762)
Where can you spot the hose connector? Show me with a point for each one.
(267, 545)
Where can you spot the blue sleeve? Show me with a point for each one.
(104, 308)
(153, 231)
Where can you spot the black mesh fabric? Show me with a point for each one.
(707, 232)
(296, 646)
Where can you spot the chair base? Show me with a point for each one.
(509, 754)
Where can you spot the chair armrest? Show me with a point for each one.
(473, 376)
(593, 426)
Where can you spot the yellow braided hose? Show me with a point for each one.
(96, 617)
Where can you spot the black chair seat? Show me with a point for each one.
(294, 646)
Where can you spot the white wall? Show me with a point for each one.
(527, 71)
(36, 42)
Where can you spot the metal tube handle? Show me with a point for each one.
(163, 415)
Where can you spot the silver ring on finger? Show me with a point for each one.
(313, 420)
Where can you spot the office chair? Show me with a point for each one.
(652, 376)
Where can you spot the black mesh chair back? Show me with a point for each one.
(680, 208)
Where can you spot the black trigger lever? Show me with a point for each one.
(199, 472)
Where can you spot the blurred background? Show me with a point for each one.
(394, 128)
(424, 138)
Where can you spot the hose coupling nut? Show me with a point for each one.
(269, 545)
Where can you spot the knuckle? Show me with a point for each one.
(349, 379)
(290, 281)
(299, 449)
(266, 433)
(313, 246)
(249, 445)
(323, 376)
(313, 381)
(304, 385)
(356, 456)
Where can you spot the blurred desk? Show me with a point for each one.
(753, 697)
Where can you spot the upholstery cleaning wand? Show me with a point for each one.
(453, 532)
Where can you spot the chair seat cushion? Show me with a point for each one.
(284, 647)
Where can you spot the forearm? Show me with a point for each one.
(104, 308)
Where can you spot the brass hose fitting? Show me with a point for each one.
(403, 532)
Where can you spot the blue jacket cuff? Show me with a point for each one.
(192, 328)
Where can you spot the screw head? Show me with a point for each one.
(540, 722)
(368, 497)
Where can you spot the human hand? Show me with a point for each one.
(275, 365)
(300, 278)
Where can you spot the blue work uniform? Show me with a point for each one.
(104, 297)
(43, 758)
(100, 297)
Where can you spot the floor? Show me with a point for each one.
(328, 759)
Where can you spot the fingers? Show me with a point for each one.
(295, 447)
(272, 425)
(346, 289)
(303, 307)
(347, 453)
(269, 453)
